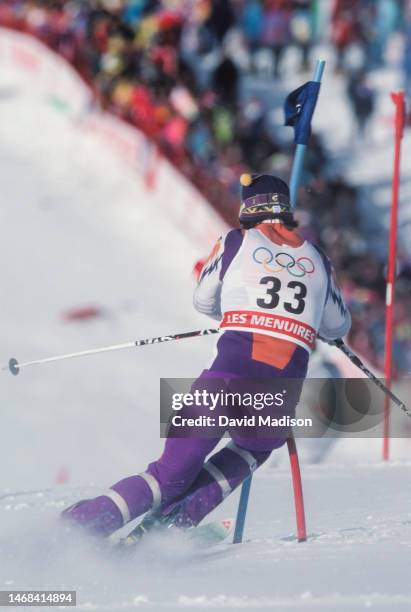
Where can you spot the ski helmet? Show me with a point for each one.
(263, 197)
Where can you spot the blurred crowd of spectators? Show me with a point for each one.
(176, 70)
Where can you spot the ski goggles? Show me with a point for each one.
(265, 203)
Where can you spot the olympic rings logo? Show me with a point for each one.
(285, 261)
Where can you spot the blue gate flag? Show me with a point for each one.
(299, 108)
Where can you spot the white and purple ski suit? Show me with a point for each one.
(272, 292)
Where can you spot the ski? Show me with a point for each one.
(203, 536)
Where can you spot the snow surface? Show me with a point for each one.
(78, 229)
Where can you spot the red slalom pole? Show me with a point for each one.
(298, 489)
(398, 99)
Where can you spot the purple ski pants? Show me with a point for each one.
(181, 476)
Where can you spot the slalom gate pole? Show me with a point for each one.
(242, 510)
(300, 149)
(297, 488)
(398, 100)
(298, 497)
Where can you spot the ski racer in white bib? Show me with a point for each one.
(273, 292)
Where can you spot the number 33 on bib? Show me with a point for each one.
(280, 290)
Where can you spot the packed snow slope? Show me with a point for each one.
(356, 558)
(79, 230)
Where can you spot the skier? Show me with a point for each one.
(272, 292)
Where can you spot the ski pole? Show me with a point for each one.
(357, 361)
(14, 366)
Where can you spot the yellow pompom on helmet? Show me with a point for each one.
(246, 180)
